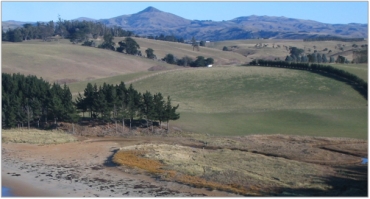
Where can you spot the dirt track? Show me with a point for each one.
(268, 164)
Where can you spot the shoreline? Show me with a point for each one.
(55, 172)
(23, 188)
(85, 168)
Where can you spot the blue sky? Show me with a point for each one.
(327, 12)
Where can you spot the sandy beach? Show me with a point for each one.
(82, 169)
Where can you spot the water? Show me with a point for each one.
(5, 192)
(364, 161)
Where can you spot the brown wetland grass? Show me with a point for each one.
(35, 136)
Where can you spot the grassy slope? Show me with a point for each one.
(220, 101)
(250, 100)
(246, 47)
(57, 61)
(360, 70)
(162, 48)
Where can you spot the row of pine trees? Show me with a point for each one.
(359, 84)
(117, 102)
(28, 100)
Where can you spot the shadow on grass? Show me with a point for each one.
(351, 181)
(361, 90)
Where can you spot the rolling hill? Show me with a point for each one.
(252, 100)
(223, 100)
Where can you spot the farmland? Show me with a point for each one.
(289, 132)
(223, 100)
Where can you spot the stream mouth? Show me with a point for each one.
(364, 160)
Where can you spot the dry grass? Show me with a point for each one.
(134, 158)
(34, 136)
(248, 46)
(245, 173)
(57, 61)
(179, 50)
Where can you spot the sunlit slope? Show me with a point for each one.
(179, 50)
(58, 61)
(249, 100)
(276, 48)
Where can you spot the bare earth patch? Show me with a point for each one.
(186, 164)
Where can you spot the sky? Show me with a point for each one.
(327, 12)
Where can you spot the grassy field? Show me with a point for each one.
(247, 47)
(179, 50)
(76, 87)
(223, 100)
(59, 61)
(360, 70)
(253, 100)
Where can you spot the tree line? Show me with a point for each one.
(32, 101)
(200, 61)
(297, 55)
(27, 100)
(130, 46)
(117, 102)
(359, 84)
(333, 38)
(171, 38)
(75, 31)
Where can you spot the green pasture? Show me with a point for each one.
(76, 87)
(256, 100)
(360, 70)
(240, 89)
(312, 122)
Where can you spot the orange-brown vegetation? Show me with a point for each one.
(134, 159)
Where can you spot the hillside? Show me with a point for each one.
(179, 50)
(64, 62)
(61, 61)
(253, 100)
(152, 21)
(276, 48)
(222, 100)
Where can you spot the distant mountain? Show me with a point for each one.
(152, 21)
(13, 24)
(148, 19)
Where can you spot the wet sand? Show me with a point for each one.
(82, 169)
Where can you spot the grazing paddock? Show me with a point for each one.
(249, 100)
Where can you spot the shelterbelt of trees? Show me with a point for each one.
(29, 100)
(333, 38)
(357, 83)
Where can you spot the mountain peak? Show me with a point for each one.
(150, 9)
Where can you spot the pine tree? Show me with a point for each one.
(147, 108)
(89, 98)
(80, 104)
(169, 112)
(133, 104)
(158, 108)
